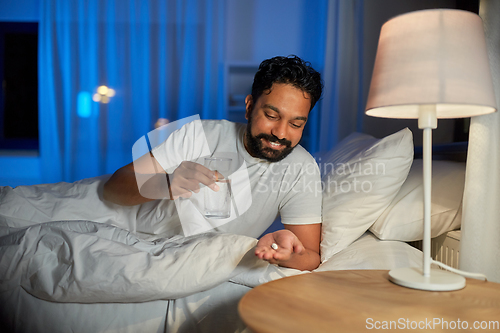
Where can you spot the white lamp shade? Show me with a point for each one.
(436, 57)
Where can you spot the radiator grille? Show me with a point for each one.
(444, 248)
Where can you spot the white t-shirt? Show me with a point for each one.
(261, 190)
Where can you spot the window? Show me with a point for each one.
(19, 77)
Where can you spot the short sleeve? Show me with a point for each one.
(302, 204)
(188, 143)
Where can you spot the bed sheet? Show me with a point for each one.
(214, 310)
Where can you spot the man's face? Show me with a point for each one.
(276, 121)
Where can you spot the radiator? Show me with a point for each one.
(444, 248)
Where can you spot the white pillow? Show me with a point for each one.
(369, 252)
(403, 219)
(360, 176)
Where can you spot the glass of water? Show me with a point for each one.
(218, 204)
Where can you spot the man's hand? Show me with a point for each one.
(187, 178)
(145, 180)
(287, 243)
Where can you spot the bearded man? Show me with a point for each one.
(282, 177)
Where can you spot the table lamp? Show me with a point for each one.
(431, 64)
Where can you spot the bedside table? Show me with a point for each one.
(360, 300)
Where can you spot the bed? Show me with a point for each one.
(71, 262)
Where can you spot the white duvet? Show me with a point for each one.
(87, 261)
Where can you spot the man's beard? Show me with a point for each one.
(256, 148)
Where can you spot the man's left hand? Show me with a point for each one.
(287, 244)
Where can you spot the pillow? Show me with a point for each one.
(369, 252)
(404, 218)
(360, 178)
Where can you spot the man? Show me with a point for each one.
(284, 178)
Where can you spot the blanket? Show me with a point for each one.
(98, 261)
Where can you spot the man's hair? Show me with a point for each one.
(290, 70)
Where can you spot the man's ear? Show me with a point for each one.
(248, 106)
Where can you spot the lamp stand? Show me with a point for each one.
(427, 278)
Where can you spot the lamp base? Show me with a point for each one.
(439, 280)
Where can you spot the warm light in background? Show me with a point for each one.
(102, 90)
(103, 94)
(161, 122)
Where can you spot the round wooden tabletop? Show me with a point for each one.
(361, 300)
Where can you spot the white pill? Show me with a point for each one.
(274, 246)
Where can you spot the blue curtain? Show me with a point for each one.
(164, 59)
(343, 103)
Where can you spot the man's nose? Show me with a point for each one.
(279, 130)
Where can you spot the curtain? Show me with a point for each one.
(163, 59)
(342, 106)
(480, 243)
